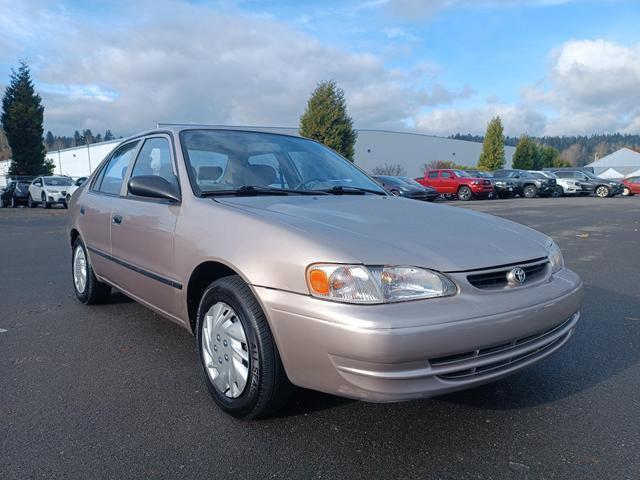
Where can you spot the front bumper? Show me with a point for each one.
(59, 197)
(418, 349)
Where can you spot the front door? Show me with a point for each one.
(95, 209)
(142, 233)
(447, 182)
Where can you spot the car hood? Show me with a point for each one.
(391, 230)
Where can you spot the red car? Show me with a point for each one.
(631, 186)
(457, 182)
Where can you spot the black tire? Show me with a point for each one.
(268, 388)
(557, 192)
(602, 191)
(529, 191)
(464, 193)
(45, 204)
(95, 291)
(31, 203)
(395, 192)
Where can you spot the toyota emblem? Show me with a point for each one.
(516, 276)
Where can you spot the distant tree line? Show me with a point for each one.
(577, 150)
(55, 142)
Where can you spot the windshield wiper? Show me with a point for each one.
(259, 190)
(347, 190)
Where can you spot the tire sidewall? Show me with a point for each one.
(82, 296)
(245, 403)
(626, 191)
(604, 189)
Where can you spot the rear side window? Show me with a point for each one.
(110, 179)
(433, 175)
(155, 159)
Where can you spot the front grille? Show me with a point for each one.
(497, 278)
(507, 355)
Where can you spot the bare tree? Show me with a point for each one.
(391, 169)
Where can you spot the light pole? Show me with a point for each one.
(88, 154)
(59, 157)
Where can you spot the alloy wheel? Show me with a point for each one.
(602, 191)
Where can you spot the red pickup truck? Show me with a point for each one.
(457, 182)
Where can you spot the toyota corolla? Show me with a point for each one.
(291, 266)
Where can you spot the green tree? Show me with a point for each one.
(22, 117)
(87, 137)
(492, 156)
(326, 120)
(549, 157)
(525, 154)
(77, 139)
(108, 136)
(49, 140)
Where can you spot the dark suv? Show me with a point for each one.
(16, 193)
(590, 183)
(527, 184)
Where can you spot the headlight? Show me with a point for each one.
(376, 284)
(555, 257)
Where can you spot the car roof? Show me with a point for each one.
(176, 128)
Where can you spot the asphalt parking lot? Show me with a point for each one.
(115, 391)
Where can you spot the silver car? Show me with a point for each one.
(293, 267)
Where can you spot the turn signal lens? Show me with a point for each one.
(318, 281)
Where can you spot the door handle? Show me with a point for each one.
(116, 219)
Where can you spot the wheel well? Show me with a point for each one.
(74, 234)
(464, 185)
(204, 275)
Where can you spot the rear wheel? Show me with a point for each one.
(30, 202)
(464, 193)
(602, 191)
(89, 290)
(530, 191)
(240, 360)
(626, 191)
(14, 202)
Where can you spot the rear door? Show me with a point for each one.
(142, 232)
(585, 182)
(95, 209)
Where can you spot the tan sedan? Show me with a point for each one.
(293, 267)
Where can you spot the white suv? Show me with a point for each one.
(49, 191)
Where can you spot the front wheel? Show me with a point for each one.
(464, 193)
(530, 191)
(88, 289)
(240, 360)
(557, 192)
(626, 191)
(602, 191)
(30, 202)
(45, 204)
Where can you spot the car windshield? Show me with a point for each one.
(57, 181)
(393, 181)
(229, 161)
(410, 181)
(541, 175)
(461, 173)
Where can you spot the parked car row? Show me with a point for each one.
(506, 183)
(44, 190)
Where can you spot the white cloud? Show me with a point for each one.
(189, 63)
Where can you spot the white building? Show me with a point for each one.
(374, 148)
(623, 162)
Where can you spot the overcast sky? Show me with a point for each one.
(438, 67)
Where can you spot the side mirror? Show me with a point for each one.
(153, 186)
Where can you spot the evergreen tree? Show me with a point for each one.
(49, 140)
(87, 137)
(22, 116)
(492, 156)
(525, 154)
(77, 139)
(549, 157)
(108, 136)
(98, 138)
(326, 120)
